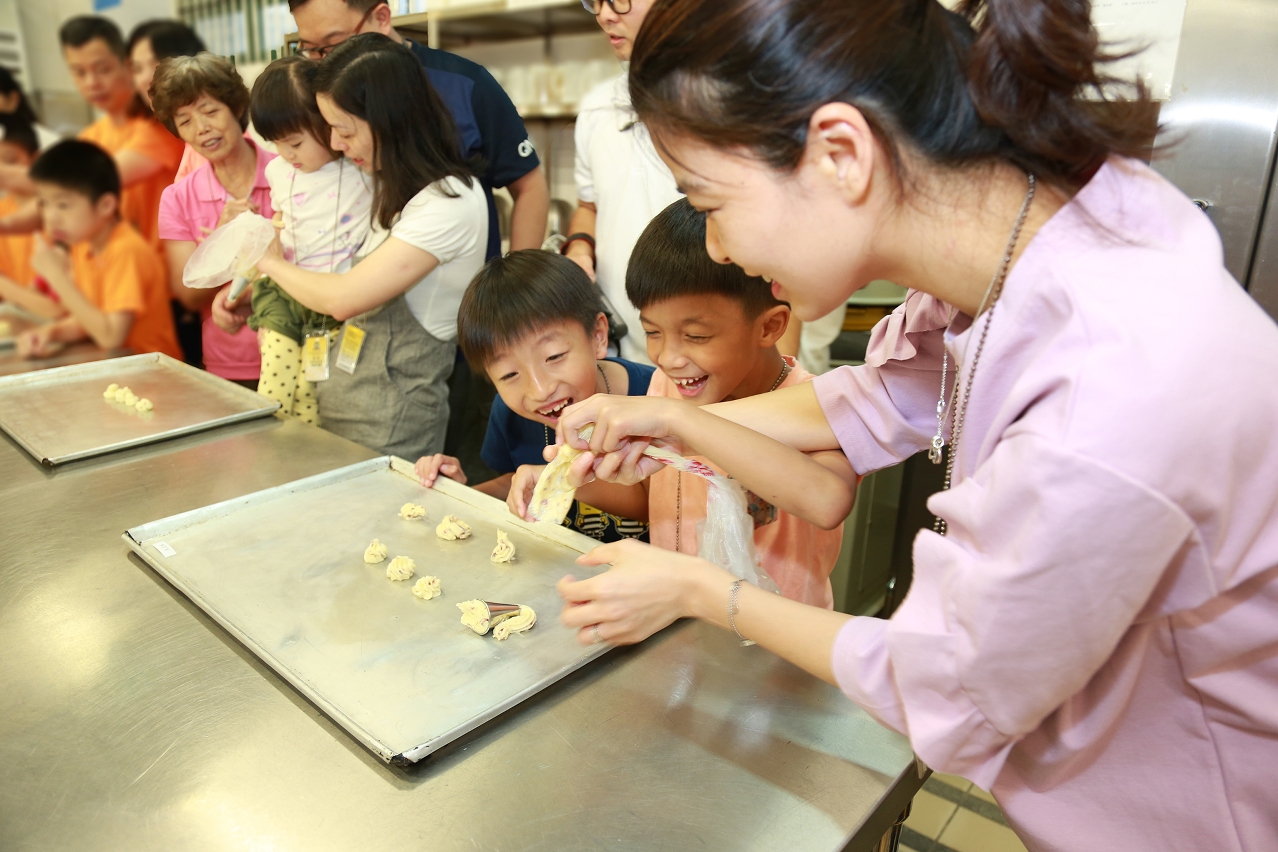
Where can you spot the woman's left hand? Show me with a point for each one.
(234, 207)
(227, 317)
(645, 590)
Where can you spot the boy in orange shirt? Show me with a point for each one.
(19, 147)
(112, 284)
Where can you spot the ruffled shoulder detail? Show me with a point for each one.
(895, 337)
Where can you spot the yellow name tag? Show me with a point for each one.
(315, 357)
(348, 352)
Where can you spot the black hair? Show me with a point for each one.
(79, 166)
(1015, 81)
(670, 260)
(283, 101)
(82, 29)
(522, 292)
(169, 38)
(361, 6)
(13, 129)
(414, 137)
(9, 85)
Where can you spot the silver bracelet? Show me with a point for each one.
(733, 609)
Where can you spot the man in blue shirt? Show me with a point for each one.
(488, 123)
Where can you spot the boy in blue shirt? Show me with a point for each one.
(534, 323)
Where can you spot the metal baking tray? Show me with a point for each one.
(17, 321)
(59, 415)
(283, 571)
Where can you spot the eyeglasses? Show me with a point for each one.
(621, 7)
(319, 52)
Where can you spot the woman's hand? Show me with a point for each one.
(624, 428)
(521, 489)
(430, 467)
(234, 207)
(230, 318)
(645, 590)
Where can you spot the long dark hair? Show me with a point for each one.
(999, 80)
(414, 137)
(8, 85)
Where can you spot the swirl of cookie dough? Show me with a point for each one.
(120, 394)
(109, 393)
(516, 624)
(452, 528)
(375, 552)
(400, 568)
(505, 549)
(474, 615)
(427, 588)
(144, 404)
(411, 511)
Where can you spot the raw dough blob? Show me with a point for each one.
(553, 495)
(474, 616)
(452, 528)
(375, 552)
(400, 568)
(109, 393)
(6, 328)
(515, 624)
(144, 404)
(411, 511)
(427, 588)
(121, 393)
(130, 399)
(505, 549)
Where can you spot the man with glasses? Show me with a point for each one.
(491, 128)
(487, 121)
(621, 182)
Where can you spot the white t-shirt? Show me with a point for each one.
(455, 231)
(618, 171)
(325, 212)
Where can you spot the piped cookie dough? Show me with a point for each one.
(375, 552)
(505, 549)
(412, 512)
(144, 405)
(452, 528)
(109, 393)
(427, 588)
(475, 615)
(400, 568)
(518, 624)
(122, 393)
(6, 328)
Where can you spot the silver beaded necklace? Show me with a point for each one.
(957, 411)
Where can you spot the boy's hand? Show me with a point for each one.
(50, 261)
(37, 342)
(521, 489)
(430, 467)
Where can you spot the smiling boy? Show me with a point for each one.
(535, 324)
(712, 331)
(111, 283)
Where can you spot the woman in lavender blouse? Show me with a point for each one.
(1092, 630)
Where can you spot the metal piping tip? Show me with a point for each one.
(494, 614)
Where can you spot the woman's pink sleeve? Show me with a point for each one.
(884, 411)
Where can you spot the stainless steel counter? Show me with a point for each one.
(130, 721)
(76, 353)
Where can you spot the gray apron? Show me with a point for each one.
(397, 400)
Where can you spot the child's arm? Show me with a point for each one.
(819, 488)
(624, 500)
(46, 340)
(108, 330)
(28, 299)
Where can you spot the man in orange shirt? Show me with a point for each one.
(146, 154)
(112, 284)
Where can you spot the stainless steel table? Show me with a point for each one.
(130, 721)
(76, 353)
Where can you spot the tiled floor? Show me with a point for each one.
(951, 815)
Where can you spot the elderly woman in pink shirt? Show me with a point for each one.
(203, 100)
(1092, 630)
